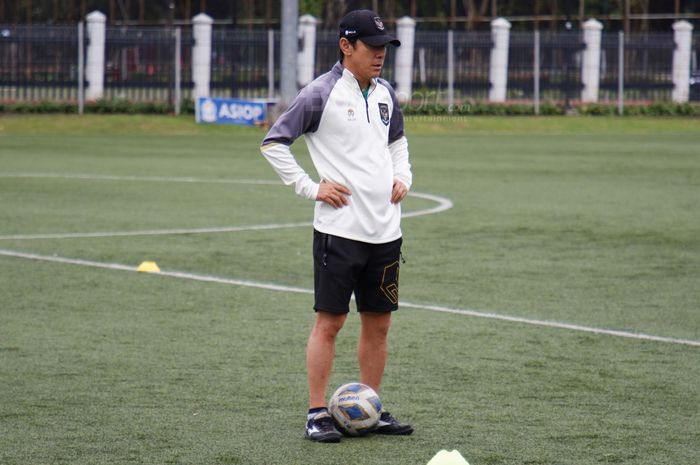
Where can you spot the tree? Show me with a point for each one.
(474, 13)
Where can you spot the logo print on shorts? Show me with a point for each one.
(390, 282)
(384, 113)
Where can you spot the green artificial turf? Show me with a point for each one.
(585, 221)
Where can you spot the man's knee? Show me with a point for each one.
(328, 324)
(376, 325)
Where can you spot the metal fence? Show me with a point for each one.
(41, 63)
(648, 61)
(240, 62)
(695, 73)
(140, 64)
(38, 63)
(471, 52)
(559, 66)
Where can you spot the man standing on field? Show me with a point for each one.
(353, 127)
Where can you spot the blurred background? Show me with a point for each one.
(562, 53)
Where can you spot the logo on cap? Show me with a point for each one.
(378, 22)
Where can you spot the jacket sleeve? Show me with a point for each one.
(398, 144)
(399, 157)
(302, 116)
(289, 171)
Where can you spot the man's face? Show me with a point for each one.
(365, 61)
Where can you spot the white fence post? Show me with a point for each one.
(95, 66)
(270, 64)
(683, 36)
(177, 91)
(621, 73)
(81, 67)
(403, 67)
(498, 70)
(450, 71)
(590, 64)
(536, 72)
(201, 55)
(307, 53)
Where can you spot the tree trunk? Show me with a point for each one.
(112, 12)
(333, 13)
(469, 8)
(390, 13)
(581, 11)
(554, 12)
(268, 14)
(644, 6)
(474, 14)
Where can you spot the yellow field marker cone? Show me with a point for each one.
(148, 267)
(448, 458)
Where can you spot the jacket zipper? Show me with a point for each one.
(367, 107)
(365, 98)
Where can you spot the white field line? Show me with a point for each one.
(443, 204)
(299, 290)
(106, 177)
(154, 232)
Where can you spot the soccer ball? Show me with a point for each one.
(356, 409)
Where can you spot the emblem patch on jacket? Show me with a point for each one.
(384, 113)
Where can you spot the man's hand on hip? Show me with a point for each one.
(335, 195)
(398, 192)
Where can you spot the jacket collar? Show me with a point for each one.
(349, 78)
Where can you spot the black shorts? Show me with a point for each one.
(343, 266)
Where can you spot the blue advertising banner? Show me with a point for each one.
(230, 111)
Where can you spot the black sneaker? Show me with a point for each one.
(390, 425)
(322, 429)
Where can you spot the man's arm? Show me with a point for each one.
(283, 162)
(302, 116)
(398, 148)
(403, 178)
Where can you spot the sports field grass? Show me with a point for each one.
(591, 222)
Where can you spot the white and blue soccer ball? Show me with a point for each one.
(356, 409)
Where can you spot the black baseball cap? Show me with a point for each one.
(368, 26)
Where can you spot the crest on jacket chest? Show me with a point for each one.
(384, 113)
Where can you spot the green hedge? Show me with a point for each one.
(549, 109)
(99, 107)
(464, 109)
(482, 109)
(654, 109)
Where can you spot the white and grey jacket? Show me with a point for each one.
(353, 141)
